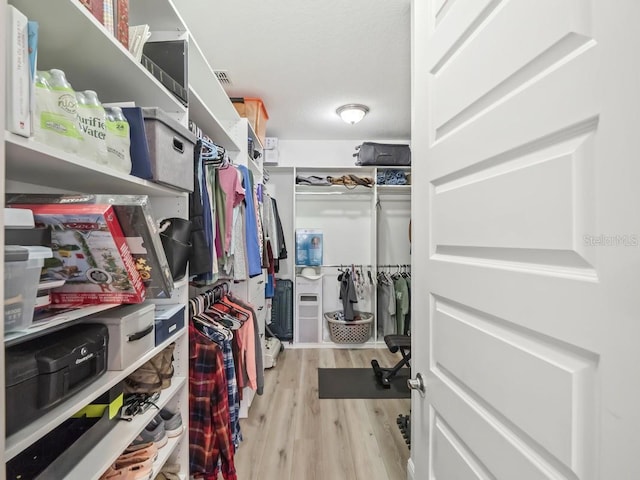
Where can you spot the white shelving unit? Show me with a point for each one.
(365, 226)
(71, 39)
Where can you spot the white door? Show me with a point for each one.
(526, 217)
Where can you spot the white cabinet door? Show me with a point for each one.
(526, 228)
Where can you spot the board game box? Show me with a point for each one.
(90, 253)
(139, 227)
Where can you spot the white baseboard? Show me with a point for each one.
(411, 470)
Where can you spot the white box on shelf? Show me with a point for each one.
(271, 157)
(271, 143)
(131, 333)
(18, 91)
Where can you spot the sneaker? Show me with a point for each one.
(172, 422)
(141, 452)
(136, 471)
(153, 432)
(121, 463)
(169, 471)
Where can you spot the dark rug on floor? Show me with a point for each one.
(359, 383)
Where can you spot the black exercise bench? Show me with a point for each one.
(394, 343)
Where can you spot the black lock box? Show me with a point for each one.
(41, 373)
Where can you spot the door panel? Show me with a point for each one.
(498, 449)
(525, 148)
(540, 35)
(514, 373)
(454, 460)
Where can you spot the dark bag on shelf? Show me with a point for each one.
(175, 234)
(383, 154)
(152, 376)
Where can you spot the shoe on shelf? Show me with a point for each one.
(141, 452)
(134, 471)
(137, 471)
(172, 422)
(169, 471)
(153, 432)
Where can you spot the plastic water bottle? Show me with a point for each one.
(118, 140)
(93, 126)
(56, 111)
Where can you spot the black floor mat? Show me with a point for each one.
(360, 383)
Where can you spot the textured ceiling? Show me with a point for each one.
(305, 58)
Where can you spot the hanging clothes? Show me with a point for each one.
(256, 341)
(347, 294)
(224, 342)
(282, 253)
(200, 255)
(231, 184)
(257, 201)
(210, 441)
(402, 301)
(252, 241)
(407, 318)
(238, 244)
(386, 308)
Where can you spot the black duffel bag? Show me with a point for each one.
(383, 154)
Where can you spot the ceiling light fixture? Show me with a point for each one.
(352, 113)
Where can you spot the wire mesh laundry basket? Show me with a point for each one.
(351, 331)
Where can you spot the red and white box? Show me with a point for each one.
(90, 253)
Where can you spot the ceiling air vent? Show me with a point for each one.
(223, 77)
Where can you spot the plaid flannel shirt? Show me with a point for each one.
(232, 385)
(209, 433)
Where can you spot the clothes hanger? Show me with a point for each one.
(202, 319)
(244, 316)
(224, 318)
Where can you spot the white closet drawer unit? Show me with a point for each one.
(308, 316)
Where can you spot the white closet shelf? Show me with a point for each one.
(183, 282)
(395, 189)
(160, 16)
(110, 447)
(91, 57)
(36, 163)
(356, 170)
(12, 338)
(332, 190)
(214, 128)
(254, 166)
(43, 425)
(165, 452)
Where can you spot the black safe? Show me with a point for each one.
(41, 373)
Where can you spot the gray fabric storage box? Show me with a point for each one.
(171, 148)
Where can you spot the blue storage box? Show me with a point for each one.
(169, 320)
(139, 149)
(309, 247)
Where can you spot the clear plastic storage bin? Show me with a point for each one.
(21, 277)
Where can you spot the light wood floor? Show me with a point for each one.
(292, 435)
